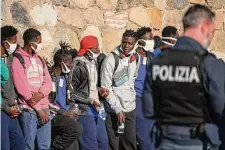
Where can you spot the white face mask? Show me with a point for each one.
(39, 47)
(12, 47)
(65, 69)
(168, 38)
(93, 55)
(149, 45)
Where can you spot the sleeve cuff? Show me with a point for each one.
(90, 100)
(117, 110)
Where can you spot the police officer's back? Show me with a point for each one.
(184, 89)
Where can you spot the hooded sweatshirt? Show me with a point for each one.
(120, 98)
(32, 78)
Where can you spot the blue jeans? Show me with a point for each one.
(94, 135)
(143, 127)
(34, 134)
(11, 134)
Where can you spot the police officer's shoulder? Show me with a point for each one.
(211, 61)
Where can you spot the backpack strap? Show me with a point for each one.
(20, 58)
(136, 57)
(116, 57)
(42, 61)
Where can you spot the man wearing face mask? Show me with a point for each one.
(85, 93)
(118, 73)
(34, 84)
(11, 134)
(65, 130)
(185, 88)
(143, 125)
(169, 39)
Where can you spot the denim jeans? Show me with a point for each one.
(143, 127)
(11, 134)
(94, 135)
(36, 136)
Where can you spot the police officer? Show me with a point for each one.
(184, 89)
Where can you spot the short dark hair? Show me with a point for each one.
(196, 14)
(142, 31)
(73, 53)
(64, 53)
(130, 33)
(7, 32)
(30, 35)
(168, 31)
(158, 42)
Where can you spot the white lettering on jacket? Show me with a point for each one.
(175, 74)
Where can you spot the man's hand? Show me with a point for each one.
(97, 103)
(14, 111)
(103, 92)
(43, 116)
(35, 99)
(121, 117)
(71, 114)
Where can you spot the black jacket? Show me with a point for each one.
(79, 84)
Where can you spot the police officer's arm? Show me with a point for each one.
(107, 71)
(215, 81)
(148, 104)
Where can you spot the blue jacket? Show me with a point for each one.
(139, 82)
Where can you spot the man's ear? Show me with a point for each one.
(5, 44)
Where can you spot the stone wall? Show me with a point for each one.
(70, 20)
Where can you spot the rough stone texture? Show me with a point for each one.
(68, 35)
(218, 43)
(219, 19)
(156, 17)
(107, 4)
(177, 4)
(160, 4)
(147, 3)
(44, 14)
(172, 17)
(64, 15)
(216, 4)
(69, 20)
(93, 30)
(131, 25)
(93, 15)
(64, 3)
(116, 20)
(46, 36)
(23, 17)
(197, 1)
(140, 16)
(81, 3)
(111, 38)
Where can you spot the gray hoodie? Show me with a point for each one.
(121, 96)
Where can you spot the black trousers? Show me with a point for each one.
(126, 141)
(65, 133)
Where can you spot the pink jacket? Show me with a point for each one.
(31, 79)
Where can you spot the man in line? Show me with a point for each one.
(65, 130)
(143, 125)
(33, 83)
(11, 134)
(119, 71)
(84, 92)
(169, 38)
(184, 90)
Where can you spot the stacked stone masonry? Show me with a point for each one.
(70, 20)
